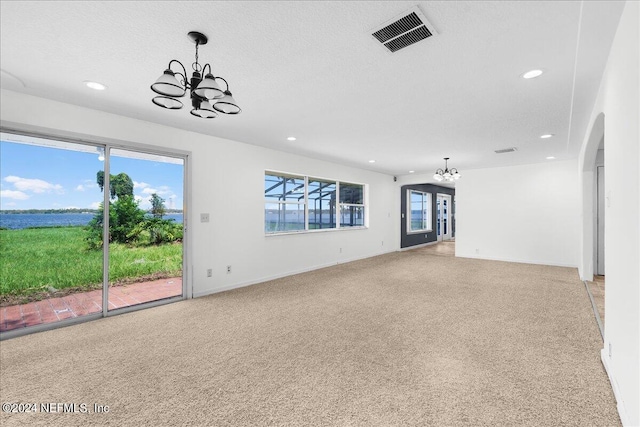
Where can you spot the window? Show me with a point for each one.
(351, 205)
(284, 203)
(419, 207)
(295, 203)
(322, 204)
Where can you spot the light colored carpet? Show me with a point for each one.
(401, 339)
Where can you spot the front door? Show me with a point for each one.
(443, 217)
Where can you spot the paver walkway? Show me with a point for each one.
(80, 304)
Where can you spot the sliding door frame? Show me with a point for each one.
(108, 144)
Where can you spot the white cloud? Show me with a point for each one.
(163, 190)
(95, 205)
(140, 184)
(84, 187)
(143, 203)
(34, 185)
(11, 204)
(11, 194)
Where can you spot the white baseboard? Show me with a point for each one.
(418, 246)
(622, 412)
(521, 261)
(279, 276)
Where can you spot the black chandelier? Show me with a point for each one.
(207, 98)
(446, 174)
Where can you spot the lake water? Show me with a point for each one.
(16, 221)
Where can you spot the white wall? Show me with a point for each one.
(618, 100)
(228, 183)
(524, 213)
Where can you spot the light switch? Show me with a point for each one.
(204, 217)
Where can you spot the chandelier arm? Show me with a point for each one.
(204, 73)
(225, 82)
(183, 74)
(440, 171)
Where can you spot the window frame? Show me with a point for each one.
(428, 197)
(285, 202)
(338, 205)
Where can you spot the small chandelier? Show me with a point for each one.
(207, 98)
(446, 174)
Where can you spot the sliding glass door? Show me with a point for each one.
(49, 273)
(146, 228)
(63, 258)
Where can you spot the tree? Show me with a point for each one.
(157, 206)
(119, 185)
(128, 224)
(124, 213)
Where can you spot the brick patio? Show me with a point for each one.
(80, 304)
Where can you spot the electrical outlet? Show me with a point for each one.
(477, 251)
(209, 272)
(610, 348)
(228, 269)
(340, 250)
(383, 243)
(204, 217)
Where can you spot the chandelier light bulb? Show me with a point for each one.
(208, 88)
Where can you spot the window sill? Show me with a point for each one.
(321, 230)
(420, 232)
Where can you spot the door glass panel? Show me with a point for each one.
(145, 228)
(51, 270)
(438, 215)
(444, 215)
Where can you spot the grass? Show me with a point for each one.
(33, 260)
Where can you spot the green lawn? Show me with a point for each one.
(32, 260)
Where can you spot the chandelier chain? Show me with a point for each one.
(196, 66)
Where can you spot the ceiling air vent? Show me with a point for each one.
(506, 150)
(404, 30)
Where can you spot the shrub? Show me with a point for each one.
(155, 231)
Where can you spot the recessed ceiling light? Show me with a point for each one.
(411, 171)
(372, 161)
(94, 85)
(550, 158)
(532, 74)
(548, 135)
(291, 138)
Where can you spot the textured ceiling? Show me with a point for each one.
(313, 71)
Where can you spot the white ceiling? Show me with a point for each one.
(312, 70)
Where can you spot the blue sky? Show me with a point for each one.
(37, 177)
